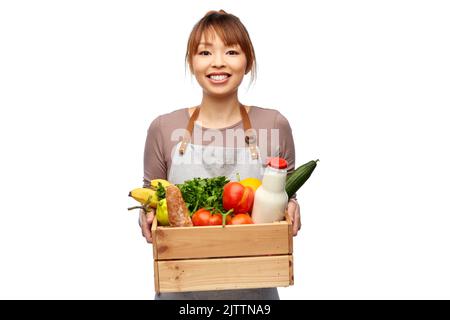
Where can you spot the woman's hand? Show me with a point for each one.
(294, 213)
(145, 222)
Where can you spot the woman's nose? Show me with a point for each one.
(218, 61)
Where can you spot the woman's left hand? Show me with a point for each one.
(293, 210)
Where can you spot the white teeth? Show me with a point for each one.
(218, 77)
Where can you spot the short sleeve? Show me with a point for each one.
(155, 166)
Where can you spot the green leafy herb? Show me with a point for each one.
(160, 191)
(203, 193)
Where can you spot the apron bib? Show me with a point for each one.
(190, 161)
(210, 161)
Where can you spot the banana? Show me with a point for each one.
(148, 196)
(165, 183)
(144, 196)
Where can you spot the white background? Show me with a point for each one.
(364, 84)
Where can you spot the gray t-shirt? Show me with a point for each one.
(274, 138)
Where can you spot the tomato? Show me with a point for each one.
(237, 197)
(201, 217)
(241, 218)
(216, 219)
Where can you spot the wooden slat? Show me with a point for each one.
(291, 249)
(290, 233)
(291, 270)
(156, 276)
(224, 273)
(155, 256)
(154, 228)
(218, 241)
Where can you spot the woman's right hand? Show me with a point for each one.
(145, 222)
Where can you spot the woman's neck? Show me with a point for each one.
(219, 112)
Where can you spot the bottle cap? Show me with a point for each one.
(278, 163)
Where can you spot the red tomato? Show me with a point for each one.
(216, 219)
(201, 217)
(237, 197)
(241, 218)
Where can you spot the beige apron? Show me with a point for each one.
(194, 160)
(206, 162)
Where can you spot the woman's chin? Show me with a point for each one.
(216, 91)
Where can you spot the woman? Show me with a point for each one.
(220, 136)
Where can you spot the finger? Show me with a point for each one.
(291, 210)
(150, 215)
(146, 228)
(291, 213)
(295, 223)
(147, 233)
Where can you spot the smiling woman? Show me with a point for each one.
(233, 44)
(219, 54)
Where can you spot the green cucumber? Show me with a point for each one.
(299, 176)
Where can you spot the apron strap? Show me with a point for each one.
(250, 134)
(189, 130)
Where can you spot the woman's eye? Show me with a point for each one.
(206, 53)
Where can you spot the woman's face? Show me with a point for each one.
(218, 69)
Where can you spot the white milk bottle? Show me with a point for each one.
(271, 198)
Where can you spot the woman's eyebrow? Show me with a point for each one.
(209, 44)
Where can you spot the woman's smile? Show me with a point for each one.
(218, 78)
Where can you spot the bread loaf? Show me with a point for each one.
(176, 207)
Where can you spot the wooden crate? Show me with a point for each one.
(220, 258)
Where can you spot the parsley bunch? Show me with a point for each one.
(160, 191)
(203, 193)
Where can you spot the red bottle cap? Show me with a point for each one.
(278, 163)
